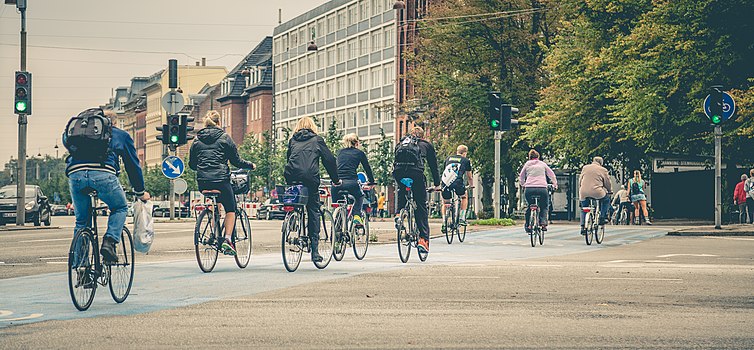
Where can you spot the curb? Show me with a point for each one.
(28, 228)
(711, 233)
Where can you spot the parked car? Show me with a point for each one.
(38, 209)
(271, 208)
(160, 209)
(59, 210)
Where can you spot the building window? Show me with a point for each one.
(389, 37)
(341, 120)
(376, 41)
(302, 35)
(364, 9)
(353, 15)
(341, 82)
(285, 72)
(376, 7)
(321, 59)
(331, 24)
(364, 115)
(342, 53)
(353, 49)
(294, 69)
(376, 114)
(388, 74)
(330, 56)
(330, 90)
(351, 84)
(320, 92)
(376, 77)
(285, 42)
(294, 39)
(352, 117)
(321, 28)
(302, 96)
(342, 19)
(363, 45)
(312, 63)
(364, 80)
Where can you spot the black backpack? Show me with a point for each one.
(408, 153)
(88, 135)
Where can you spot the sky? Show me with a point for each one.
(79, 51)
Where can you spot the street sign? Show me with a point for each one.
(172, 102)
(729, 107)
(180, 186)
(172, 167)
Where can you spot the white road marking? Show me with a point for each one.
(57, 262)
(543, 265)
(4, 313)
(455, 277)
(731, 238)
(635, 279)
(54, 258)
(178, 251)
(45, 240)
(16, 264)
(672, 255)
(32, 316)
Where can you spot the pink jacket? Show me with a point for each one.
(535, 173)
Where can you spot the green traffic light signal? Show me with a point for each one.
(494, 123)
(21, 106)
(716, 119)
(174, 138)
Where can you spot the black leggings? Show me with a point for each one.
(226, 197)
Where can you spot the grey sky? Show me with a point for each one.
(67, 81)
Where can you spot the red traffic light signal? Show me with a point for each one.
(21, 78)
(22, 98)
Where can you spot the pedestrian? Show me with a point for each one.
(636, 187)
(381, 205)
(739, 198)
(749, 188)
(622, 200)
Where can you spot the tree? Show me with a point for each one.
(381, 160)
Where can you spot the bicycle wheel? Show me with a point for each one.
(339, 229)
(205, 245)
(534, 227)
(449, 224)
(82, 275)
(589, 228)
(291, 244)
(122, 273)
(404, 240)
(326, 240)
(360, 240)
(461, 230)
(541, 237)
(599, 235)
(243, 239)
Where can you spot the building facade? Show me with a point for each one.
(349, 79)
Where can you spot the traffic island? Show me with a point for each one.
(727, 230)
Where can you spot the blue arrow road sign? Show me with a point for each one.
(172, 167)
(729, 107)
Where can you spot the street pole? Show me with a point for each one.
(496, 189)
(22, 120)
(718, 177)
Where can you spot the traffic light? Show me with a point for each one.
(493, 111)
(22, 102)
(174, 129)
(163, 135)
(507, 112)
(716, 105)
(185, 128)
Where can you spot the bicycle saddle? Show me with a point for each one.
(407, 181)
(88, 191)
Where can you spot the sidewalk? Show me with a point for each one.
(726, 230)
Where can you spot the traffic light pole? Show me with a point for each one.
(718, 176)
(496, 190)
(22, 122)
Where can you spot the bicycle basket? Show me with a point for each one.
(239, 183)
(294, 195)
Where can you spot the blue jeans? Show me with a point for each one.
(108, 190)
(604, 207)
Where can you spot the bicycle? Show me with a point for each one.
(345, 231)
(407, 235)
(295, 240)
(86, 269)
(209, 233)
(592, 222)
(535, 228)
(452, 219)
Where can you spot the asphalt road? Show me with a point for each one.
(638, 290)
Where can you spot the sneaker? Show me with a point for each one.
(358, 221)
(636, 221)
(397, 220)
(583, 231)
(527, 229)
(423, 246)
(647, 222)
(462, 222)
(108, 250)
(316, 257)
(228, 247)
(543, 227)
(443, 229)
(85, 279)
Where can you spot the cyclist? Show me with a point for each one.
(594, 183)
(87, 171)
(349, 159)
(533, 177)
(456, 167)
(623, 202)
(305, 149)
(410, 156)
(209, 157)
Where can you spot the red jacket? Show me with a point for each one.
(739, 196)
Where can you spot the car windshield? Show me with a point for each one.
(10, 192)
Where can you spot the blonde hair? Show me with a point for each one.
(350, 140)
(110, 114)
(305, 123)
(533, 154)
(418, 131)
(461, 149)
(211, 119)
(637, 176)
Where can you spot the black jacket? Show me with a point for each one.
(348, 163)
(304, 151)
(430, 158)
(210, 154)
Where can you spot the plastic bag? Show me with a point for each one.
(143, 226)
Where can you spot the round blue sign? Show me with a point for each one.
(172, 167)
(729, 107)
